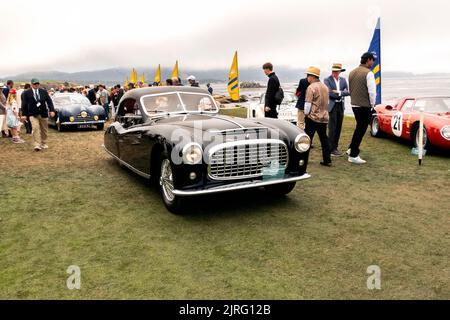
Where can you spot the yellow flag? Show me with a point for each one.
(175, 71)
(133, 77)
(142, 80)
(125, 84)
(158, 75)
(233, 80)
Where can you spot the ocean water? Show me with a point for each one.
(392, 89)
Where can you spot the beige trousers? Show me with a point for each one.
(40, 130)
(301, 119)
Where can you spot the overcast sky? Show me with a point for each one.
(90, 35)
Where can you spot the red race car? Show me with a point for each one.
(402, 120)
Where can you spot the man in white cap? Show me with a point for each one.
(192, 81)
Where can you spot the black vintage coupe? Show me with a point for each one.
(175, 137)
(73, 110)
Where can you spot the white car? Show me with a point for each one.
(286, 111)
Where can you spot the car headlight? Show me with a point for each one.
(95, 118)
(72, 119)
(192, 153)
(445, 132)
(302, 143)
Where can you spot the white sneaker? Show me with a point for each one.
(18, 140)
(44, 146)
(356, 160)
(37, 148)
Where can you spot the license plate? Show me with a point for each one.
(273, 171)
(84, 126)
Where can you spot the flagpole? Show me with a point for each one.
(237, 68)
(420, 146)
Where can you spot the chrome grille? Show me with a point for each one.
(246, 159)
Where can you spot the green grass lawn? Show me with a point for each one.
(73, 205)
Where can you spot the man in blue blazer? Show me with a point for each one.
(338, 88)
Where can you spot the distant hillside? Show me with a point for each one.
(118, 75)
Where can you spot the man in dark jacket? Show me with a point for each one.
(28, 126)
(9, 86)
(116, 94)
(270, 106)
(36, 104)
(92, 95)
(210, 89)
(120, 92)
(301, 94)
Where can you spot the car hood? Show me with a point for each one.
(230, 126)
(210, 122)
(77, 108)
(444, 115)
(441, 118)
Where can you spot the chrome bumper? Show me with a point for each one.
(238, 186)
(87, 122)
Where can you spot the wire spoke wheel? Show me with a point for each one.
(166, 180)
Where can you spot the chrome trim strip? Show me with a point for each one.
(142, 174)
(239, 186)
(238, 129)
(87, 122)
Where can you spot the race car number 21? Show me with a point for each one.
(397, 124)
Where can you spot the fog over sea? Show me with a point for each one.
(392, 88)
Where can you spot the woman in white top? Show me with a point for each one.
(13, 116)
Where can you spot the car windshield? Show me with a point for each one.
(69, 100)
(433, 105)
(179, 102)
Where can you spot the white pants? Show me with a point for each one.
(3, 123)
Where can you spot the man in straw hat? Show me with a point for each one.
(338, 89)
(316, 112)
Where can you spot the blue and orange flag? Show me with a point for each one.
(233, 79)
(375, 47)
